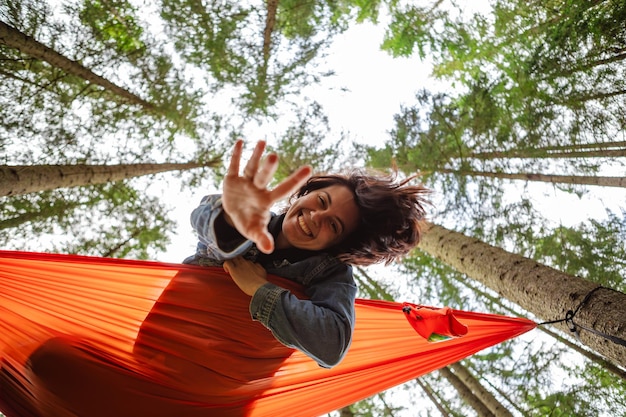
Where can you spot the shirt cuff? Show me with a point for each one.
(264, 302)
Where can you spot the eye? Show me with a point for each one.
(322, 201)
(333, 225)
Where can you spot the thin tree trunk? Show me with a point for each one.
(486, 397)
(466, 393)
(588, 146)
(539, 153)
(24, 179)
(430, 394)
(554, 179)
(539, 289)
(27, 45)
(270, 22)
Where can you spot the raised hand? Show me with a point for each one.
(247, 200)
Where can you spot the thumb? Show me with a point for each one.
(265, 242)
(226, 266)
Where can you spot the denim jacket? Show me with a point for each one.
(321, 326)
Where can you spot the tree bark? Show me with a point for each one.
(27, 45)
(592, 356)
(466, 393)
(24, 179)
(543, 291)
(431, 395)
(554, 179)
(346, 412)
(486, 397)
(539, 153)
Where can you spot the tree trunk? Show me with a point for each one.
(554, 179)
(466, 393)
(270, 22)
(431, 395)
(27, 45)
(24, 179)
(486, 397)
(592, 356)
(540, 153)
(539, 289)
(35, 216)
(588, 146)
(346, 412)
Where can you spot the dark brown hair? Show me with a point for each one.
(391, 215)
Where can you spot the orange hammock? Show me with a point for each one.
(90, 337)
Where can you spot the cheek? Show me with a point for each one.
(327, 239)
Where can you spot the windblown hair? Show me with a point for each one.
(391, 216)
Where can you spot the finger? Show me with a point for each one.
(233, 168)
(291, 183)
(265, 243)
(252, 166)
(227, 265)
(264, 176)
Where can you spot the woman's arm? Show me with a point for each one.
(320, 326)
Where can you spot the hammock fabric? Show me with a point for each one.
(90, 337)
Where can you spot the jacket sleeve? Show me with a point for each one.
(322, 326)
(216, 239)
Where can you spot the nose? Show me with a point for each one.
(317, 217)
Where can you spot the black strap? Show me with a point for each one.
(573, 326)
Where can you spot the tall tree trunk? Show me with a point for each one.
(466, 393)
(539, 289)
(540, 153)
(431, 395)
(554, 179)
(486, 397)
(27, 45)
(592, 356)
(588, 146)
(24, 179)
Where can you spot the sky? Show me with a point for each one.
(362, 98)
(368, 88)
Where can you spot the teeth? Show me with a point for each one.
(303, 226)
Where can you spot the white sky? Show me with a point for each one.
(367, 90)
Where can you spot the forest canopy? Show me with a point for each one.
(518, 126)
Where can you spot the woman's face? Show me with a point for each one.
(320, 219)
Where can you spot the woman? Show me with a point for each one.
(332, 222)
(196, 354)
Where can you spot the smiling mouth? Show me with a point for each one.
(304, 227)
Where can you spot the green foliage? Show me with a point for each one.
(425, 136)
(102, 220)
(410, 27)
(304, 143)
(115, 24)
(594, 250)
(264, 52)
